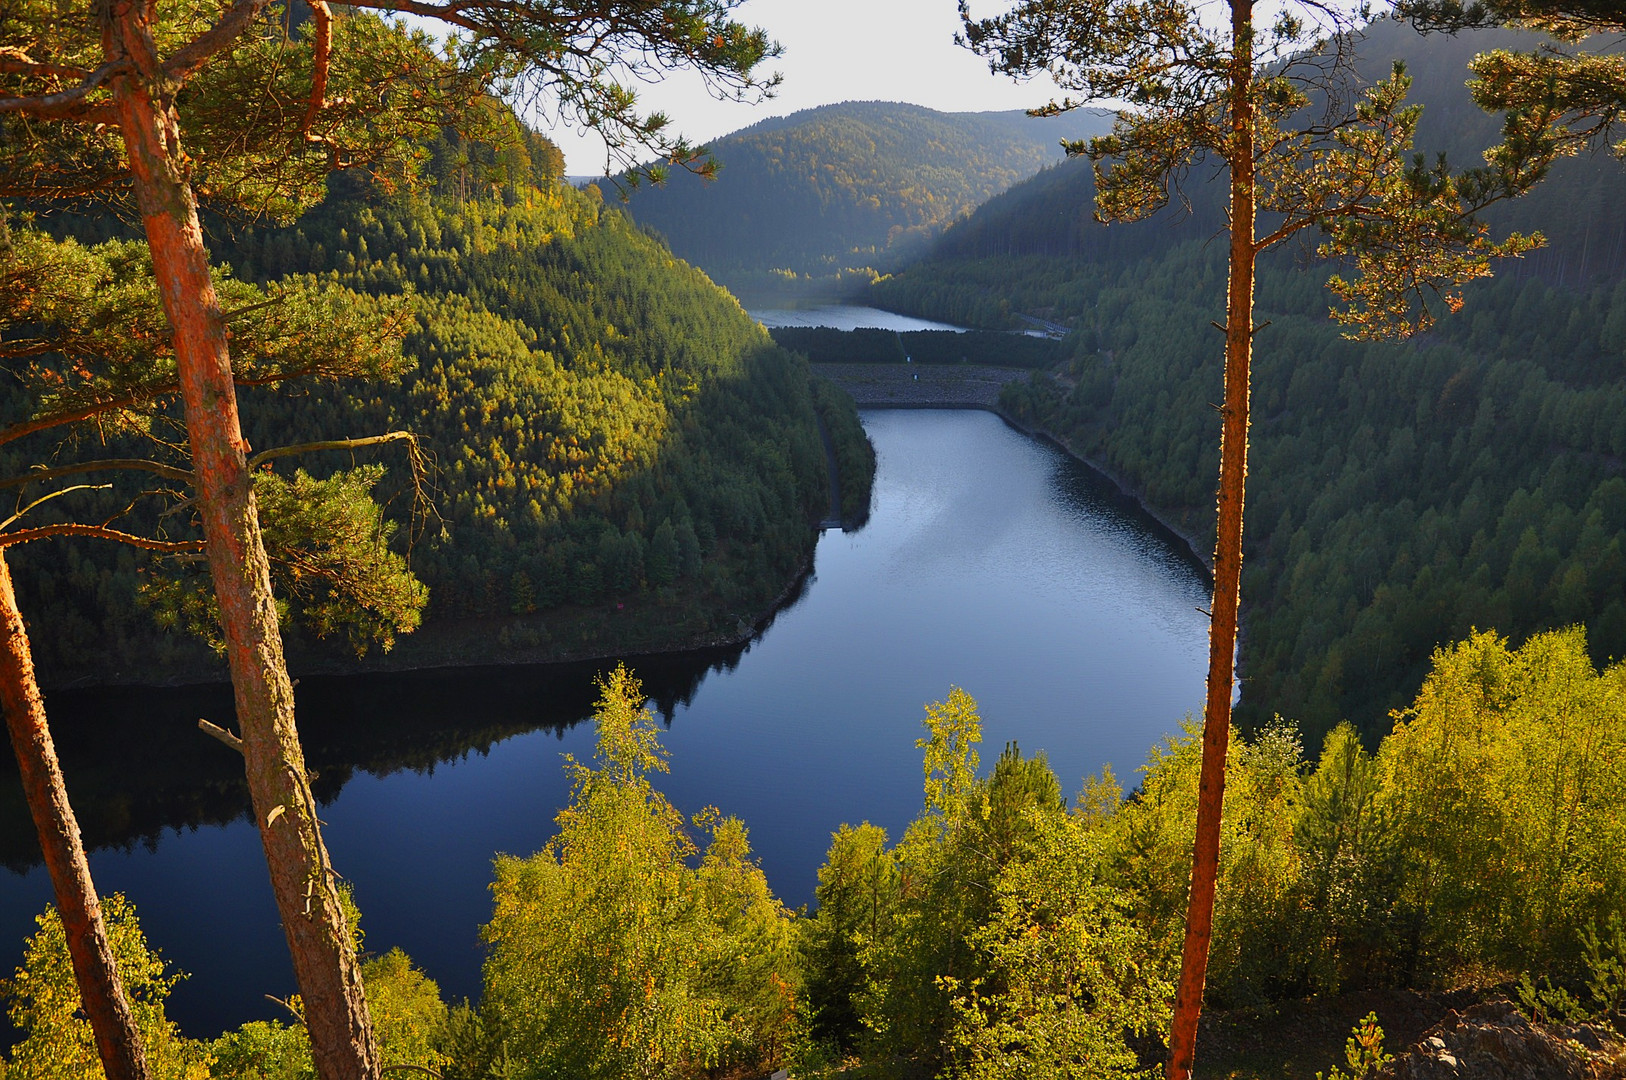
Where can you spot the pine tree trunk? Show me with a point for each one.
(324, 959)
(1227, 555)
(101, 991)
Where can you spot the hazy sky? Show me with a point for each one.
(838, 50)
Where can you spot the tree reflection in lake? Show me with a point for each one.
(990, 561)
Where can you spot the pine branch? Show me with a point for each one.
(187, 60)
(70, 104)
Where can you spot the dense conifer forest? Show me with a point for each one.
(1400, 495)
(598, 427)
(843, 190)
(601, 423)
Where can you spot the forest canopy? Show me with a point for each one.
(601, 421)
(860, 186)
(1402, 494)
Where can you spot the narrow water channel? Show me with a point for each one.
(991, 561)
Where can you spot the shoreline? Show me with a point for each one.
(883, 386)
(1207, 561)
(962, 388)
(497, 654)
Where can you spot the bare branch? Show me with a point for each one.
(17, 62)
(168, 472)
(70, 104)
(52, 495)
(330, 444)
(218, 732)
(24, 536)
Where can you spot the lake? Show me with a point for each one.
(991, 561)
(844, 317)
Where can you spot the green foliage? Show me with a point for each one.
(1070, 973)
(955, 729)
(993, 940)
(857, 895)
(1483, 838)
(95, 375)
(1275, 104)
(331, 565)
(1363, 1051)
(408, 1013)
(576, 385)
(262, 1050)
(1502, 798)
(276, 156)
(1603, 956)
(1404, 494)
(574, 389)
(853, 185)
(43, 1004)
(612, 956)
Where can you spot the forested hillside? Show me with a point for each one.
(852, 186)
(603, 425)
(1399, 494)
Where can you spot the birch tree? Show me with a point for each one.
(155, 103)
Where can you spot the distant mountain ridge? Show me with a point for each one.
(853, 186)
(1580, 209)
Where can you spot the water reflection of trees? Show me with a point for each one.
(136, 763)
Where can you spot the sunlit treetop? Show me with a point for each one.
(1325, 151)
(273, 97)
(1565, 94)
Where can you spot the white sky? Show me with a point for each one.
(837, 50)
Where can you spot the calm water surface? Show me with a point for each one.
(844, 317)
(991, 561)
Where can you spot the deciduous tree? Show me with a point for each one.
(1279, 107)
(146, 101)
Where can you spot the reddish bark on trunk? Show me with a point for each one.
(1227, 556)
(302, 879)
(101, 991)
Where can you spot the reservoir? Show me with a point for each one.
(844, 317)
(991, 561)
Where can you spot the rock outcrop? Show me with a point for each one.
(1494, 1041)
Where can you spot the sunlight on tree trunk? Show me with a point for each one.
(302, 880)
(1227, 556)
(1249, 98)
(118, 1040)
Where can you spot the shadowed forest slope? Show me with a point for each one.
(852, 186)
(1399, 494)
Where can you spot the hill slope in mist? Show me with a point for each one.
(854, 185)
